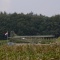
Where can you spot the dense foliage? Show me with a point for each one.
(29, 24)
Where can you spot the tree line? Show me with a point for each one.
(29, 24)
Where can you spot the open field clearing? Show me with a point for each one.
(30, 52)
(47, 50)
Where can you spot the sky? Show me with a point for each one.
(44, 7)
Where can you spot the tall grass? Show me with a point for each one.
(3, 42)
(30, 52)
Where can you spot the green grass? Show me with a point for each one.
(44, 51)
(3, 42)
(58, 40)
(30, 52)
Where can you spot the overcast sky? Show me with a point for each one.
(44, 7)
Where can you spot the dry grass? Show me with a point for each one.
(30, 52)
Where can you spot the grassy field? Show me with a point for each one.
(3, 42)
(30, 52)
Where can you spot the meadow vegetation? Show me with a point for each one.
(2, 42)
(30, 52)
